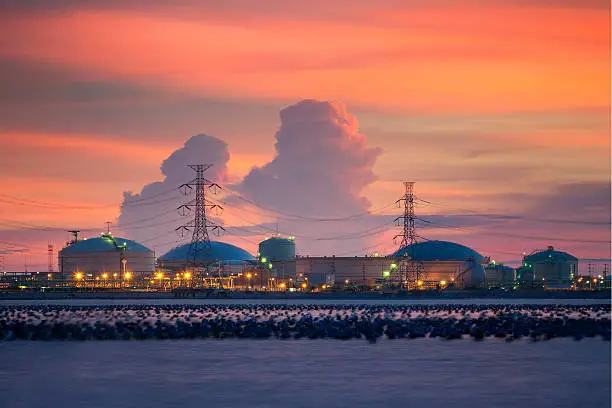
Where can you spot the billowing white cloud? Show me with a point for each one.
(322, 163)
(320, 170)
(150, 216)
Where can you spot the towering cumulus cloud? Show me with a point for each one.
(150, 216)
(321, 167)
(322, 163)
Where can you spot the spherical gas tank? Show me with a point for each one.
(472, 274)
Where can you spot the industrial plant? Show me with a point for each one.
(109, 261)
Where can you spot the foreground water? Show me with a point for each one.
(304, 373)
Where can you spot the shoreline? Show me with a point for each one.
(590, 295)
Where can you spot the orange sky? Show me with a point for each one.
(452, 91)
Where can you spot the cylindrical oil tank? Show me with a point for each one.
(105, 256)
(277, 249)
(498, 274)
(472, 274)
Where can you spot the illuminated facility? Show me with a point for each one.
(105, 258)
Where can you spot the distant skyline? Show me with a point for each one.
(498, 110)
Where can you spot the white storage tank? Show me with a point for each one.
(471, 274)
(499, 275)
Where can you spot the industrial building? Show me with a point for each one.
(549, 268)
(438, 263)
(105, 257)
(332, 270)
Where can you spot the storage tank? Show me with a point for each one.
(277, 249)
(472, 274)
(552, 267)
(499, 275)
(103, 257)
(438, 261)
(177, 258)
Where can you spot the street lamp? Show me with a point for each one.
(159, 276)
(78, 276)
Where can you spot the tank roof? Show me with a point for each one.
(278, 239)
(217, 251)
(105, 243)
(438, 251)
(550, 255)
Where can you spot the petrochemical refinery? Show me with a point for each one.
(109, 262)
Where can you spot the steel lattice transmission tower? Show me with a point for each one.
(408, 269)
(200, 225)
(50, 257)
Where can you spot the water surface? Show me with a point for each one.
(302, 373)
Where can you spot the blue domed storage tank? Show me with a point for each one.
(217, 251)
(105, 254)
(438, 251)
(552, 267)
(438, 262)
(277, 249)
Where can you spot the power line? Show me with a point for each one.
(301, 217)
(516, 217)
(53, 205)
(508, 235)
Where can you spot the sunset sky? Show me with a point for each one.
(492, 107)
